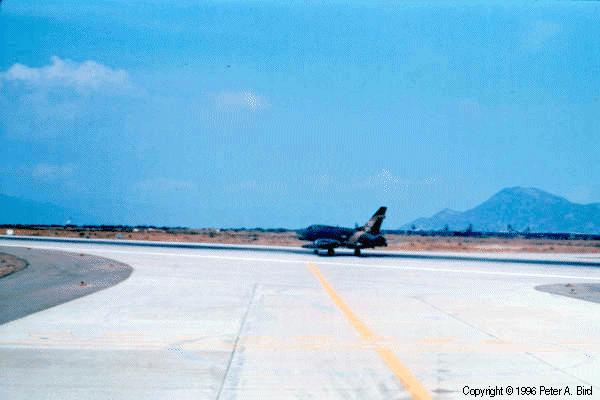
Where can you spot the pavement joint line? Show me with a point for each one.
(454, 317)
(530, 354)
(237, 340)
(402, 373)
(291, 261)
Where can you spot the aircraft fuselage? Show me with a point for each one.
(328, 237)
(335, 236)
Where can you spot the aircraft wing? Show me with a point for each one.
(323, 244)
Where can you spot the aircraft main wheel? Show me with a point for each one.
(330, 252)
(357, 252)
(316, 251)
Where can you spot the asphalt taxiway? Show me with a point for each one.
(222, 323)
(54, 277)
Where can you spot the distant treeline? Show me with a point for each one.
(134, 228)
(503, 235)
(182, 229)
(105, 228)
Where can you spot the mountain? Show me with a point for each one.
(14, 210)
(521, 208)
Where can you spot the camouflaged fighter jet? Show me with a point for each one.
(325, 237)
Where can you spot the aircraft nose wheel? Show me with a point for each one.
(330, 252)
(357, 252)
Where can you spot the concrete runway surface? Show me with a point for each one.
(235, 324)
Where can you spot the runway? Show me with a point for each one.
(219, 323)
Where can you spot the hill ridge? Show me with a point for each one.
(518, 208)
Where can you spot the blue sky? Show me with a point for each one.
(225, 113)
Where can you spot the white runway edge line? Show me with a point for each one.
(303, 262)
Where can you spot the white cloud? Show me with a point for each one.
(61, 98)
(52, 172)
(63, 72)
(165, 185)
(386, 180)
(540, 33)
(243, 99)
(389, 182)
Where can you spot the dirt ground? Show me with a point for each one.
(10, 264)
(492, 245)
(288, 238)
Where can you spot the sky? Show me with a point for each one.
(283, 114)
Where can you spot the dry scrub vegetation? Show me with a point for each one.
(491, 244)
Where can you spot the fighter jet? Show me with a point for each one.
(328, 238)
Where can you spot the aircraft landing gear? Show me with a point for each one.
(357, 252)
(330, 252)
(316, 251)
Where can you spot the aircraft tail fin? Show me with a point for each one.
(374, 224)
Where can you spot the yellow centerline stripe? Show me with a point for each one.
(410, 382)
